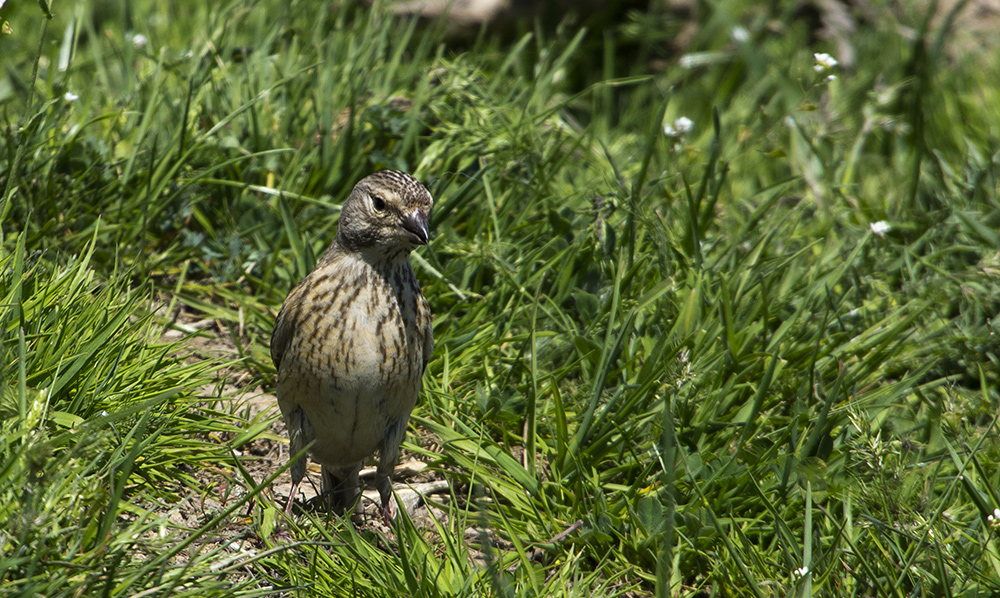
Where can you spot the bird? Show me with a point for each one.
(352, 340)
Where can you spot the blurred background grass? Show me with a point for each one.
(727, 306)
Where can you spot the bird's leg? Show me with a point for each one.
(291, 498)
(298, 472)
(387, 512)
(383, 483)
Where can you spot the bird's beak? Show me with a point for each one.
(416, 225)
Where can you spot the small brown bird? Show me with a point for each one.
(351, 341)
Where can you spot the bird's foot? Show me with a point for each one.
(387, 511)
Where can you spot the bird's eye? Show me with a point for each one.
(378, 203)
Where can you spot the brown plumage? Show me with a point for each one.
(351, 341)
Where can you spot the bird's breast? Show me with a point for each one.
(356, 357)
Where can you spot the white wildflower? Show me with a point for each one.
(681, 127)
(824, 62)
(69, 97)
(881, 227)
(740, 35)
(138, 40)
(801, 572)
(994, 519)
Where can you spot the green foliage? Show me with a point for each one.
(755, 357)
(98, 420)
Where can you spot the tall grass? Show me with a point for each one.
(753, 358)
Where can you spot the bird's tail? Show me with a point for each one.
(341, 485)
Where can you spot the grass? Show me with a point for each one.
(703, 348)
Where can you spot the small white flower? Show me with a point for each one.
(739, 35)
(138, 40)
(994, 519)
(69, 97)
(881, 227)
(830, 78)
(681, 127)
(824, 62)
(801, 572)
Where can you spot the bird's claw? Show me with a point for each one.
(387, 512)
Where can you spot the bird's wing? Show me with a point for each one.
(282, 333)
(287, 320)
(428, 333)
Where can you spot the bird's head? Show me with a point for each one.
(387, 213)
